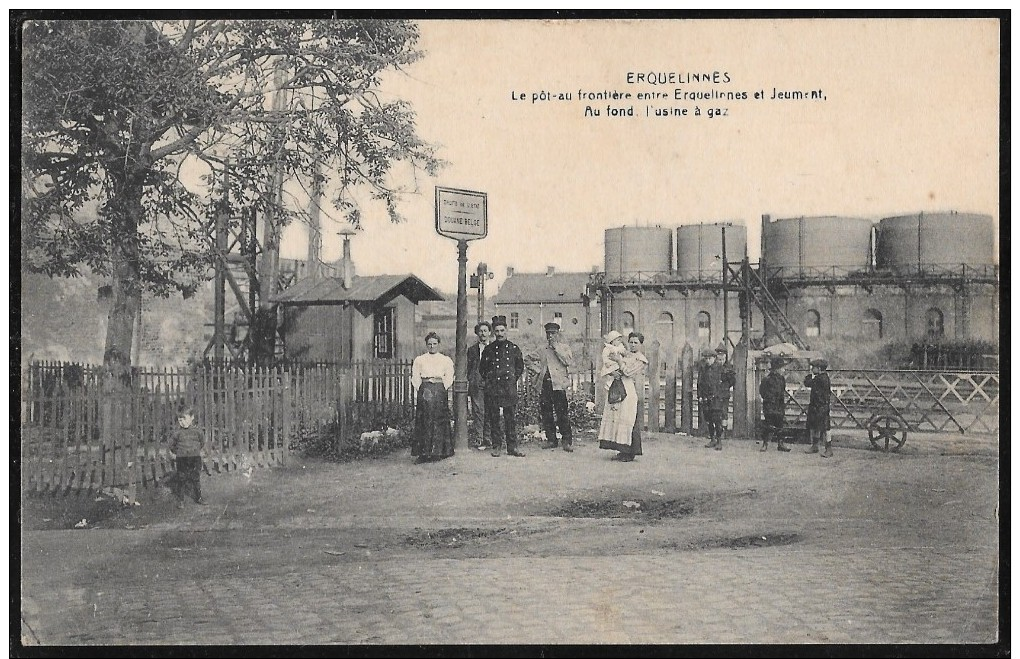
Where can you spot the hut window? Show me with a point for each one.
(871, 324)
(704, 326)
(383, 344)
(515, 320)
(812, 323)
(936, 322)
(627, 320)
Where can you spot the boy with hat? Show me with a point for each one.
(501, 365)
(773, 404)
(709, 397)
(554, 378)
(818, 406)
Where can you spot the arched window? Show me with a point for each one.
(936, 323)
(664, 328)
(627, 320)
(704, 327)
(812, 323)
(871, 325)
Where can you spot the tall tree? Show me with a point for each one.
(119, 116)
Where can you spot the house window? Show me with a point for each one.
(936, 323)
(383, 343)
(812, 323)
(558, 318)
(871, 325)
(627, 320)
(704, 327)
(515, 320)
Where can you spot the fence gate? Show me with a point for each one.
(925, 401)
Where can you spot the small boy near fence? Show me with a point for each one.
(186, 443)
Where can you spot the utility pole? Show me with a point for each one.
(478, 281)
(460, 381)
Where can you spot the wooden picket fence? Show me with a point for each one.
(76, 436)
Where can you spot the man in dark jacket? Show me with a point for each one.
(480, 433)
(714, 383)
(501, 366)
(773, 405)
(818, 406)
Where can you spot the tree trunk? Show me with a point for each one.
(126, 213)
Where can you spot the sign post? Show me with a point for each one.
(461, 215)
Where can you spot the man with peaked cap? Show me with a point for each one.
(553, 378)
(501, 365)
(773, 405)
(818, 406)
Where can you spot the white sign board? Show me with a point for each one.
(461, 214)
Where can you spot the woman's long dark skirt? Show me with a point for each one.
(433, 436)
(635, 434)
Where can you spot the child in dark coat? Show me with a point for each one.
(818, 406)
(186, 443)
(773, 405)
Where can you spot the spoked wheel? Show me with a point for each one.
(887, 432)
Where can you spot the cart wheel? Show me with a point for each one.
(886, 429)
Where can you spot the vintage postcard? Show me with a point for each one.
(537, 332)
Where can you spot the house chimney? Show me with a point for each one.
(509, 271)
(347, 264)
(549, 271)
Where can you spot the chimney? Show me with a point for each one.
(509, 271)
(347, 265)
(549, 271)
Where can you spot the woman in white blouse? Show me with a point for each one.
(432, 377)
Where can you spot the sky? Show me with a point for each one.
(908, 123)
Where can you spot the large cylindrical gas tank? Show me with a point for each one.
(935, 239)
(699, 249)
(816, 246)
(638, 252)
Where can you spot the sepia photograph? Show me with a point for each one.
(560, 332)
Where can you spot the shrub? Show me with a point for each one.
(367, 435)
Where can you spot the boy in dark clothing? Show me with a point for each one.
(773, 404)
(818, 406)
(186, 443)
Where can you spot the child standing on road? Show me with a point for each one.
(818, 407)
(186, 443)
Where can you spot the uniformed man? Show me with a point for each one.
(501, 366)
(553, 378)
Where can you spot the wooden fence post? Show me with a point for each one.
(687, 389)
(670, 392)
(654, 390)
(744, 392)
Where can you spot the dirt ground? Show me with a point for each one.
(678, 497)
